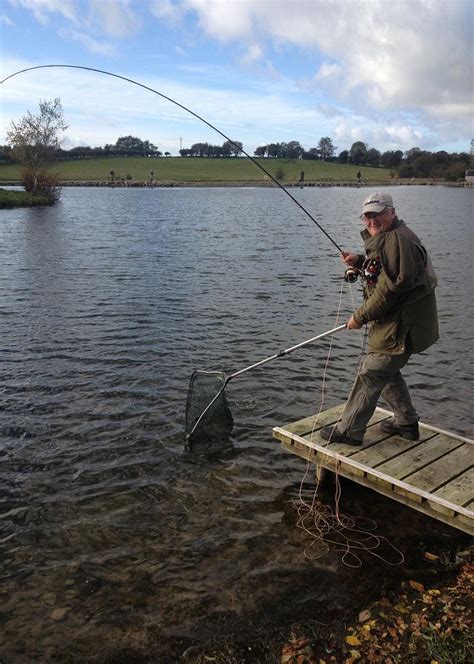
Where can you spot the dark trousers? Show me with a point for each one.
(379, 375)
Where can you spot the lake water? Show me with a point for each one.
(113, 539)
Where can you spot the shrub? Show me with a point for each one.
(41, 184)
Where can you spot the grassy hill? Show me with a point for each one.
(203, 170)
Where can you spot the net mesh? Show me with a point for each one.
(208, 416)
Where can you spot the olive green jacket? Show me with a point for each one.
(401, 305)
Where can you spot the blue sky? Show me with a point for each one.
(393, 73)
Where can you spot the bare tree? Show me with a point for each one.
(34, 140)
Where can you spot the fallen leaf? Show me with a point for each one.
(352, 640)
(364, 615)
(402, 609)
(417, 586)
(430, 556)
(355, 655)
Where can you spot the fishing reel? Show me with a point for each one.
(351, 275)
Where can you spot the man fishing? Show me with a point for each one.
(400, 307)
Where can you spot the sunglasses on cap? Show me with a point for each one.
(372, 215)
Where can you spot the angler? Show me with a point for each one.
(400, 307)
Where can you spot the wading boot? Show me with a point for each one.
(333, 435)
(408, 431)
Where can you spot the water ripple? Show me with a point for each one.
(109, 301)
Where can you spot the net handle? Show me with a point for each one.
(257, 364)
(286, 351)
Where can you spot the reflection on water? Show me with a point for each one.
(112, 536)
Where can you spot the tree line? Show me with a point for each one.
(125, 146)
(412, 163)
(130, 146)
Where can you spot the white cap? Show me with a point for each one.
(377, 202)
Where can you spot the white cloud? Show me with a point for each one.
(329, 71)
(408, 54)
(42, 8)
(93, 45)
(6, 20)
(252, 54)
(382, 136)
(329, 111)
(114, 17)
(167, 9)
(224, 20)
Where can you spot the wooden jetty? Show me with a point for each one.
(434, 475)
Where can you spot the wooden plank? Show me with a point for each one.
(464, 523)
(418, 456)
(350, 451)
(434, 475)
(385, 449)
(312, 424)
(459, 521)
(372, 435)
(417, 494)
(460, 490)
(315, 422)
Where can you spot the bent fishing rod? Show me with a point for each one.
(188, 110)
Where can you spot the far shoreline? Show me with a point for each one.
(123, 184)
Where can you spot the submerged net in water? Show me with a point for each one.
(208, 416)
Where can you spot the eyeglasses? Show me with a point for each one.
(368, 216)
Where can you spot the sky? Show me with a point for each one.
(395, 74)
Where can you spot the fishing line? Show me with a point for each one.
(188, 110)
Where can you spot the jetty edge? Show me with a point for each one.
(433, 475)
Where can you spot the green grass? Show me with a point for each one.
(12, 199)
(457, 649)
(194, 169)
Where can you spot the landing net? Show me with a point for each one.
(208, 416)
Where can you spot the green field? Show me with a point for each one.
(204, 170)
